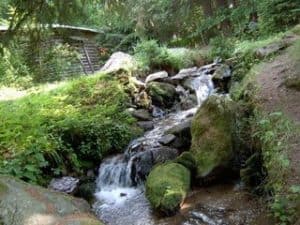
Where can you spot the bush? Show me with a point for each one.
(151, 56)
(69, 129)
(13, 68)
(55, 63)
(221, 47)
(276, 15)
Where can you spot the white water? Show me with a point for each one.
(119, 200)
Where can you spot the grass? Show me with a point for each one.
(68, 129)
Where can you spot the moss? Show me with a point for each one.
(187, 160)
(167, 186)
(162, 94)
(211, 135)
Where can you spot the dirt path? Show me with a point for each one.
(275, 96)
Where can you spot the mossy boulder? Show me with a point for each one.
(22, 203)
(162, 94)
(187, 160)
(167, 186)
(211, 131)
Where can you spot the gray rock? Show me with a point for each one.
(142, 114)
(64, 184)
(146, 125)
(223, 71)
(163, 153)
(158, 112)
(156, 76)
(269, 49)
(22, 203)
(180, 128)
(119, 61)
(167, 139)
(188, 102)
(86, 190)
(162, 94)
(188, 72)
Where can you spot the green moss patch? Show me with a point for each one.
(162, 94)
(167, 186)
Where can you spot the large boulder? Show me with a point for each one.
(211, 136)
(143, 162)
(162, 94)
(25, 204)
(167, 186)
(119, 61)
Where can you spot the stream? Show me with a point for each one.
(120, 194)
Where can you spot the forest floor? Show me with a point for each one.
(276, 96)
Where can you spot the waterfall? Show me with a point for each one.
(119, 184)
(203, 87)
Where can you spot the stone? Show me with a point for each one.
(119, 61)
(142, 99)
(222, 72)
(162, 94)
(86, 190)
(188, 72)
(181, 128)
(269, 49)
(167, 139)
(188, 102)
(146, 125)
(64, 184)
(142, 114)
(156, 76)
(157, 112)
(211, 132)
(143, 162)
(25, 204)
(187, 160)
(163, 153)
(221, 78)
(167, 186)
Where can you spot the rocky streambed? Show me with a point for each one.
(171, 113)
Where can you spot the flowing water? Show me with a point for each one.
(120, 191)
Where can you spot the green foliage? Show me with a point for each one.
(276, 15)
(273, 131)
(150, 55)
(221, 47)
(54, 62)
(70, 128)
(285, 207)
(13, 68)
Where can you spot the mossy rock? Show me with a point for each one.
(162, 94)
(187, 160)
(24, 203)
(167, 186)
(211, 135)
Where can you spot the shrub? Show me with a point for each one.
(276, 15)
(151, 56)
(69, 129)
(13, 68)
(55, 63)
(221, 47)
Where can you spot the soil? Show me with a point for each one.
(275, 96)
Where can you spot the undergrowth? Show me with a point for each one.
(64, 131)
